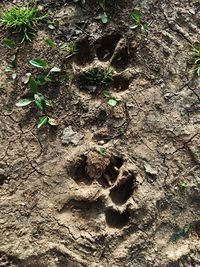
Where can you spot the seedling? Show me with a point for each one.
(121, 131)
(41, 103)
(112, 101)
(50, 42)
(22, 20)
(102, 151)
(197, 60)
(71, 49)
(38, 99)
(104, 16)
(183, 185)
(48, 75)
(36, 232)
(44, 120)
(9, 43)
(137, 19)
(184, 232)
(99, 76)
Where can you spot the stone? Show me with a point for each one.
(69, 136)
(149, 169)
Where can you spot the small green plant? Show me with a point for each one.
(183, 185)
(197, 60)
(24, 20)
(36, 232)
(104, 16)
(99, 76)
(112, 101)
(9, 43)
(50, 42)
(71, 48)
(121, 131)
(38, 98)
(137, 19)
(184, 232)
(41, 103)
(49, 75)
(102, 151)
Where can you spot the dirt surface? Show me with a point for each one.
(63, 203)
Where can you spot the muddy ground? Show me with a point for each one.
(63, 203)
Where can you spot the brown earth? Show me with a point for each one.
(66, 204)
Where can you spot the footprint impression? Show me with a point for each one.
(116, 181)
(107, 53)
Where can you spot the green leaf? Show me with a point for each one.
(23, 102)
(40, 101)
(186, 229)
(184, 232)
(48, 103)
(42, 121)
(9, 43)
(183, 185)
(52, 122)
(33, 85)
(39, 63)
(55, 69)
(102, 151)
(112, 102)
(50, 78)
(9, 69)
(197, 69)
(136, 16)
(104, 18)
(133, 27)
(41, 78)
(107, 93)
(50, 42)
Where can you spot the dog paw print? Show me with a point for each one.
(102, 64)
(116, 181)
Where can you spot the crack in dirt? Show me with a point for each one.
(111, 213)
(185, 143)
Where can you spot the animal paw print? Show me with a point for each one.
(116, 181)
(105, 62)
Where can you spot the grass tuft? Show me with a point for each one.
(22, 20)
(99, 76)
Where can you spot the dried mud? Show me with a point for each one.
(69, 206)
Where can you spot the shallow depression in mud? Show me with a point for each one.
(111, 172)
(106, 46)
(85, 53)
(115, 219)
(121, 193)
(86, 209)
(78, 171)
